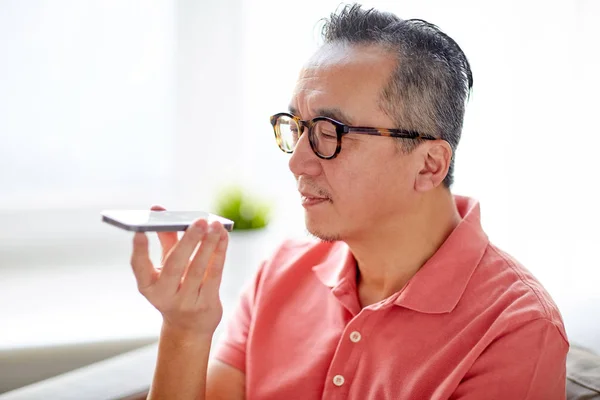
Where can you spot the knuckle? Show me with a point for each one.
(203, 307)
(188, 309)
(215, 236)
(144, 290)
(188, 245)
(192, 233)
(193, 273)
(213, 272)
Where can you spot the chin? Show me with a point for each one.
(330, 238)
(325, 233)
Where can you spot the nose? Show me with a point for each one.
(304, 161)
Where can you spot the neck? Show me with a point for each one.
(390, 254)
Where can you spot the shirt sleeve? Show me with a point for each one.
(528, 363)
(232, 348)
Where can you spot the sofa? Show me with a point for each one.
(128, 376)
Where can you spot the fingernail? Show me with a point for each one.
(198, 228)
(215, 229)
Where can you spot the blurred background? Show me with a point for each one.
(129, 103)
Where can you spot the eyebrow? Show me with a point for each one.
(333, 113)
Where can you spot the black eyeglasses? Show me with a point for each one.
(325, 134)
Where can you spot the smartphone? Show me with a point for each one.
(159, 221)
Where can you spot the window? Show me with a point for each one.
(86, 111)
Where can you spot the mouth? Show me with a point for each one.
(309, 200)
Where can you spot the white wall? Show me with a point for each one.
(86, 101)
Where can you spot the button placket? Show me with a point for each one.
(338, 380)
(350, 348)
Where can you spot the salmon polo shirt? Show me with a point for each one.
(472, 323)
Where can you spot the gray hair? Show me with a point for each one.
(428, 90)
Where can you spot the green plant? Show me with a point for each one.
(245, 210)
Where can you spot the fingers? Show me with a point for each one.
(167, 239)
(143, 269)
(179, 257)
(214, 271)
(198, 267)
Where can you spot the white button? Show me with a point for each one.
(338, 380)
(355, 337)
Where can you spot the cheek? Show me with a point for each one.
(365, 176)
(360, 189)
(381, 187)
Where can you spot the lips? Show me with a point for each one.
(312, 196)
(310, 199)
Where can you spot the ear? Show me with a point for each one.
(436, 156)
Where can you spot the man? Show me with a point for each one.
(403, 296)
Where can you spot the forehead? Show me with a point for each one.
(345, 77)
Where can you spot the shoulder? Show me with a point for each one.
(511, 293)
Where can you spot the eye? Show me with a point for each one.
(295, 132)
(326, 130)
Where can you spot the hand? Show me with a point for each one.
(184, 289)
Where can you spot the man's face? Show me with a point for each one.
(370, 182)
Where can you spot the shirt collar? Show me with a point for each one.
(439, 284)
(339, 266)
